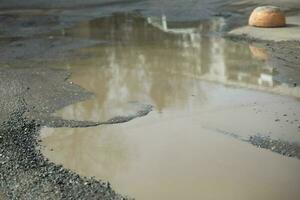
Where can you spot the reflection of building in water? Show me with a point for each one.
(189, 28)
(191, 36)
(162, 24)
(140, 61)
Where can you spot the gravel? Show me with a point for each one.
(277, 146)
(26, 174)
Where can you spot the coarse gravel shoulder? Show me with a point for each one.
(28, 97)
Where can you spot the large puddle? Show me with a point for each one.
(208, 94)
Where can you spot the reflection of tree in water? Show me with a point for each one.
(143, 63)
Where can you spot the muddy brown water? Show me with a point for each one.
(208, 93)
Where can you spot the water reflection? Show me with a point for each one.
(151, 60)
(109, 155)
(177, 152)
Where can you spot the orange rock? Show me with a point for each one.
(267, 16)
